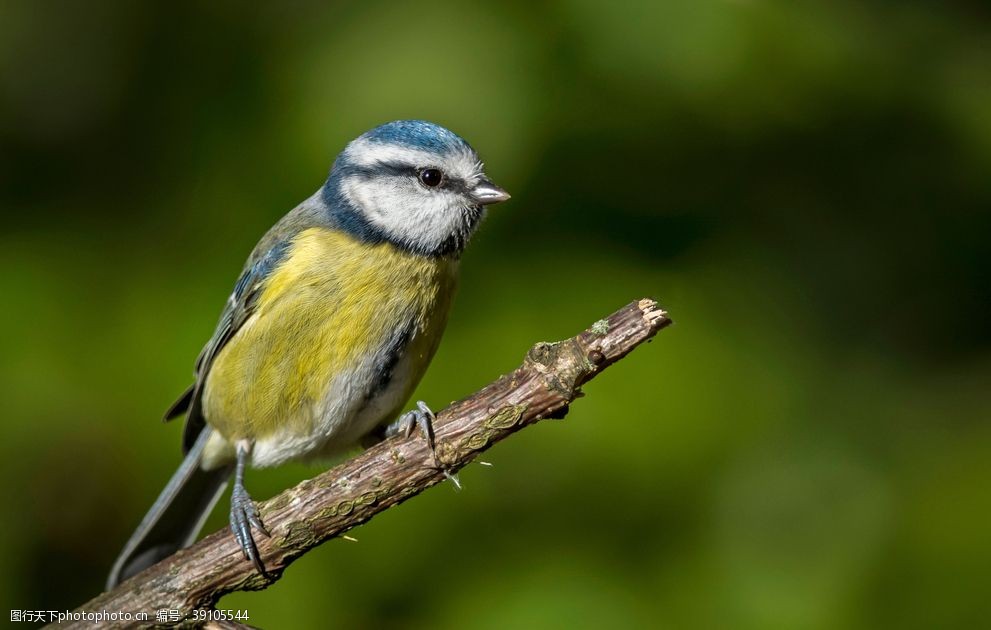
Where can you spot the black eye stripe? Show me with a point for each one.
(401, 169)
(383, 168)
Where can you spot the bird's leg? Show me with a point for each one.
(244, 514)
(423, 418)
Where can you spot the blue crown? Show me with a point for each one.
(418, 134)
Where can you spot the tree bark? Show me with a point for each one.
(346, 496)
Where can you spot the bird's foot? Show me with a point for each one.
(423, 418)
(244, 515)
(420, 417)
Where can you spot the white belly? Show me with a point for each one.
(344, 415)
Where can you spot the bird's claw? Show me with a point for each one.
(244, 516)
(423, 418)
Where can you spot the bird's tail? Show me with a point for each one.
(176, 517)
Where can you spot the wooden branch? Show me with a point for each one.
(346, 496)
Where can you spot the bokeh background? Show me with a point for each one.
(805, 186)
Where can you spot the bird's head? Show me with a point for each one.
(412, 183)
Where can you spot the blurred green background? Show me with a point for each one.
(805, 186)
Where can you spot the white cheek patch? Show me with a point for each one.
(372, 196)
(404, 211)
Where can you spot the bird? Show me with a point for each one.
(330, 326)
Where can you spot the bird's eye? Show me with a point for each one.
(431, 177)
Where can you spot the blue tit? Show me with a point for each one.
(330, 327)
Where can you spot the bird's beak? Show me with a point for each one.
(486, 193)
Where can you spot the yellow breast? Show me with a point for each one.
(331, 304)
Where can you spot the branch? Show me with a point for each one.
(346, 496)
